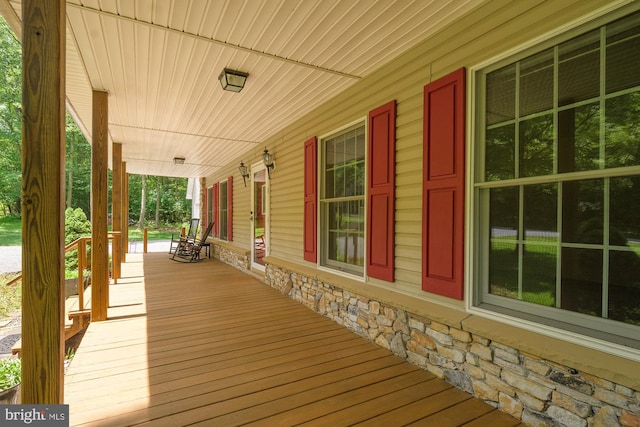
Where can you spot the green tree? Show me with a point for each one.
(78, 168)
(168, 196)
(10, 120)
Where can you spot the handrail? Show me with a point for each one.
(81, 245)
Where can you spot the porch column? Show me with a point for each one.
(99, 193)
(125, 209)
(116, 200)
(43, 159)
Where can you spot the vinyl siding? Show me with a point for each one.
(492, 29)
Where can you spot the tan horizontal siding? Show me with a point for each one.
(493, 28)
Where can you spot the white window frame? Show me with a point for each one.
(323, 244)
(477, 233)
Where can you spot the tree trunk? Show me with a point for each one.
(158, 194)
(143, 202)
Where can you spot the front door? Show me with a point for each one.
(259, 215)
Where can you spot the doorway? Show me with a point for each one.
(259, 216)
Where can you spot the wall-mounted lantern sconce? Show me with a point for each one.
(244, 172)
(232, 80)
(178, 160)
(267, 159)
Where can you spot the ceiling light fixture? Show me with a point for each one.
(232, 80)
(178, 160)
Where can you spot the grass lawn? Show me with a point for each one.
(153, 234)
(11, 232)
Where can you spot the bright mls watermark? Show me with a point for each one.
(34, 415)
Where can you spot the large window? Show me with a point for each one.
(557, 181)
(224, 211)
(342, 200)
(209, 218)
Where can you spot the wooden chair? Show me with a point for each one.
(189, 237)
(190, 251)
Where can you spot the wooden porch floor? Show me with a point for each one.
(206, 344)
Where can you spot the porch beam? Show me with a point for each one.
(43, 188)
(99, 193)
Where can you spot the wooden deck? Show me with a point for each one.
(206, 344)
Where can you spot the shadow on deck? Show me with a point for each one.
(206, 344)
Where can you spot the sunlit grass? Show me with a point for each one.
(153, 234)
(11, 231)
(10, 296)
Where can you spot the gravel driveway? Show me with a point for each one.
(10, 259)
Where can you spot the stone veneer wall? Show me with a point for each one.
(538, 392)
(238, 259)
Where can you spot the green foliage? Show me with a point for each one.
(10, 372)
(78, 168)
(76, 225)
(10, 120)
(174, 207)
(70, 354)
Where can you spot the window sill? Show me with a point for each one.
(584, 359)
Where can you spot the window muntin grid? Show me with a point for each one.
(558, 180)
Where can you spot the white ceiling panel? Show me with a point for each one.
(160, 59)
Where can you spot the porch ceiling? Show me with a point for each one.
(160, 59)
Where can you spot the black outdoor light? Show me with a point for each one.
(267, 159)
(244, 171)
(178, 160)
(232, 80)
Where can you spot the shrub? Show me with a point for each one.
(10, 372)
(76, 225)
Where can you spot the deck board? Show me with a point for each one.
(205, 344)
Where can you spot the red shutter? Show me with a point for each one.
(381, 186)
(230, 208)
(443, 186)
(216, 210)
(310, 199)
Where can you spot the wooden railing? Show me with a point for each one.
(81, 245)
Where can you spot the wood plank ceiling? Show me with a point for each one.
(160, 60)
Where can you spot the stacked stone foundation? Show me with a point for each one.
(536, 391)
(239, 259)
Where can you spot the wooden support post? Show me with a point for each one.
(116, 256)
(99, 193)
(125, 210)
(145, 234)
(43, 158)
(82, 265)
(116, 205)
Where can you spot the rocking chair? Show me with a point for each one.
(190, 251)
(189, 237)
